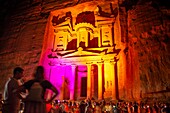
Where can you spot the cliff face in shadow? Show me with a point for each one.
(145, 32)
(148, 35)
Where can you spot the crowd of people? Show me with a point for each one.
(16, 99)
(92, 106)
(15, 92)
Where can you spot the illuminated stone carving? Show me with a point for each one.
(90, 30)
(84, 40)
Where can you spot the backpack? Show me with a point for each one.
(35, 92)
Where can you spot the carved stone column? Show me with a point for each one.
(62, 91)
(112, 65)
(99, 38)
(86, 40)
(89, 81)
(72, 84)
(112, 34)
(107, 80)
(78, 40)
(65, 41)
(92, 81)
(100, 84)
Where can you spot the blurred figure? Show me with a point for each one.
(11, 102)
(115, 109)
(155, 108)
(135, 106)
(82, 106)
(102, 105)
(56, 108)
(98, 108)
(89, 108)
(35, 101)
(166, 108)
(49, 107)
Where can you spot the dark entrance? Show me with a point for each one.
(95, 81)
(83, 92)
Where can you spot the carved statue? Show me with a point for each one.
(113, 13)
(56, 20)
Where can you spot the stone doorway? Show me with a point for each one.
(94, 72)
(83, 92)
(81, 83)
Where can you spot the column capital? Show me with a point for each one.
(100, 63)
(89, 63)
(112, 62)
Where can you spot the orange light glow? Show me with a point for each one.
(81, 37)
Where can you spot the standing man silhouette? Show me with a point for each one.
(11, 101)
(35, 101)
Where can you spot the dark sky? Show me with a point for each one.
(6, 8)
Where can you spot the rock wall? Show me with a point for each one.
(148, 49)
(145, 42)
(22, 31)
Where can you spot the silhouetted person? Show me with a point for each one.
(11, 103)
(35, 102)
(82, 106)
(156, 108)
(89, 108)
(135, 106)
(166, 108)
